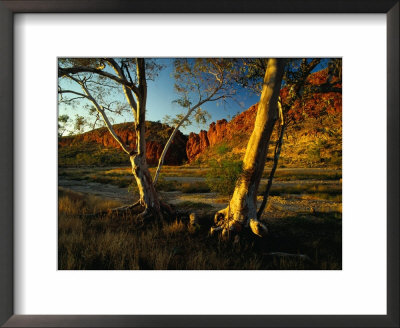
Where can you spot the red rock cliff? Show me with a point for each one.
(157, 135)
(220, 131)
(243, 124)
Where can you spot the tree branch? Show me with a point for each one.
(64, 71)
(74, 92)
(102, 114)
(127, 91)
(177, 126)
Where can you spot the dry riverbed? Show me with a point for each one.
(303, 195)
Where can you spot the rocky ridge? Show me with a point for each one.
(157, 135)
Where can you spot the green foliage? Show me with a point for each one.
(80, 123)
(98, 76)
(199, 80)
(62, 122)
(223, 175)
(223, 149)
(201, 116)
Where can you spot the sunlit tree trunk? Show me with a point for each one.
(148, 195)
(242, 208)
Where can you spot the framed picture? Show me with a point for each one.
(42, 280)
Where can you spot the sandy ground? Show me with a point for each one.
(278, 205)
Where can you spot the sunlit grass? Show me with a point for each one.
(174, 227)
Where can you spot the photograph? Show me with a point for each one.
(199, 163)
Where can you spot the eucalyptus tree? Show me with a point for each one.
(95, 80)
(197, 81)
(242, 208)
(282, 104)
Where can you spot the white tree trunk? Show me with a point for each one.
(148, 195)
(168, 144)
(242, 209)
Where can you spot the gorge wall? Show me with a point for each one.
(316, 127)
(157, 135)
(220, 131)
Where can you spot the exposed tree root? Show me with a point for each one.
(134, 210)
(116, 210)
(228, 224)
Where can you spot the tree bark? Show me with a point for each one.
(148, 195)
(242, 208)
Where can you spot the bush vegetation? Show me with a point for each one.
(90, 154)
(223, 149)
(222, 176)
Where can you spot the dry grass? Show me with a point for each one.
(175, 227)
(118, 243)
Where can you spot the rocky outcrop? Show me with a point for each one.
(239, 129)
(157, 135)
(196, 144)
(220, 131)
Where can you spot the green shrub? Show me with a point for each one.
(223, 149)
(314, 153)
(223, 175)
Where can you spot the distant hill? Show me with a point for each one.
(98, 147)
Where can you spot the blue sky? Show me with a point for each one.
(161, 95)
(160, 98)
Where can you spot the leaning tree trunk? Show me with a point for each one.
(242, 208)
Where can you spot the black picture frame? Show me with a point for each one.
(10, 7)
